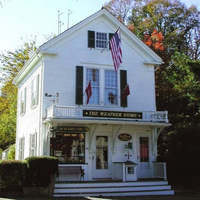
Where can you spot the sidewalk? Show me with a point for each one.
(179, 195)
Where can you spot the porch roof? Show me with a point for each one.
(106, 121)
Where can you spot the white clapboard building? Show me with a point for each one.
(113, 136)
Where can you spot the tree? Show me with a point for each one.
(184, 157)
(154, 41)
(174, 20)
(120, 9)
(180, 93)
(11, 63)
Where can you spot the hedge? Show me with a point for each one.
(13, 173)
(34, 172)
(39, 170)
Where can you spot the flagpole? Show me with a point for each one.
(109, 40)
(105, 47)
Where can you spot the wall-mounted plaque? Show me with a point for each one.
(124, 137)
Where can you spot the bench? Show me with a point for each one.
(68, 170)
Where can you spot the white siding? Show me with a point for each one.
(60, 70)
(28, 123)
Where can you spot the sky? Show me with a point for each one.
(23, 20)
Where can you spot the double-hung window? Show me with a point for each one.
(111, 88)
(33, 144)
(21, 148)
(23, 101)
(98, 40)
(35, 91)
(107, 86)
(93, 76)
(101, 40)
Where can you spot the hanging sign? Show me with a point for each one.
(72, 129)
(124, 137)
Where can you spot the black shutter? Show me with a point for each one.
(79, 85)
(110, 36)
(123, 83)
(91, 39)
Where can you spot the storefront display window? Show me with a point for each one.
(68, 147)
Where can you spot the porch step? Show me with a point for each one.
(138, 188)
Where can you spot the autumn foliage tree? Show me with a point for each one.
(155, 40)
(11, 63)
(121, 9)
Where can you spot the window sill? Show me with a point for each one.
(22, 114)
(99, 49)
(33, 107)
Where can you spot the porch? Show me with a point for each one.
(121, 171)
(109, 188)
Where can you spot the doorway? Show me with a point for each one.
(144, 157)
(102, 157)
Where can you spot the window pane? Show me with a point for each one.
(130, 170)
(102, 152)
(93, 76)
(111, 96)
(111, 88)
(144, 149)
(101, 40)
(68, 147)
(35, 90)
(23, 101)
(111, 78)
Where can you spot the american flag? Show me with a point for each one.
(116, 51)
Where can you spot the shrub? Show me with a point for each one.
(13, 173)
(40, 169)
(11, 152)
(1, 151)
(184, 157)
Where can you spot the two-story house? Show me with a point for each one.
(112, 137)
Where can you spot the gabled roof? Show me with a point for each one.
(44, 49)
(105, 12)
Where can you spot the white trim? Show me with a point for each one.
(107, 121)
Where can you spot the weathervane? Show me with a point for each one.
(59, 22)
(69, 13)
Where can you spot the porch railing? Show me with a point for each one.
(160, 170)
(67, 112)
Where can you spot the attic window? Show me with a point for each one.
(98, 40)
(101, 40)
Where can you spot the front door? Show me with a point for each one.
(144, 163)
(101, 158)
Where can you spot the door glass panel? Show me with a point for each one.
(102, 152)
(144, 149)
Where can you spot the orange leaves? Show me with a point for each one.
(155, 40)
(131, 27)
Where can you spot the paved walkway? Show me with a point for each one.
(183, 195)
